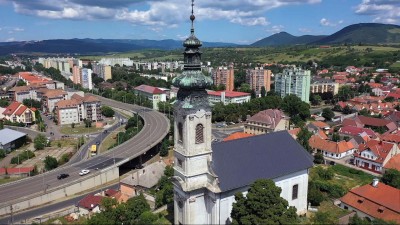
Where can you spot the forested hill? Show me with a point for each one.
(365, 33)
(90, 46)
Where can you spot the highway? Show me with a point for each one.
(156, 127)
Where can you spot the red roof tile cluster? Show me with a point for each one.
(355, 131)
(379, 148)
(32, 78)
(393, 163)
(269, 117)
(11, 171)
(395, 138)
(149, 89)
(382, 201)
(15, 108)
(90, 201)
(316, 142)
(229, 94)
(237, 135)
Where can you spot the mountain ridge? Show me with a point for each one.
(366, 33)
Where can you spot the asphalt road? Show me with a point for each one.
(155, 128)
(20, 218)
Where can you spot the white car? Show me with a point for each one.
(84, 172)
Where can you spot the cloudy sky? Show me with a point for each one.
(237, 21)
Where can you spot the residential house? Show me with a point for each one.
(374, 155)
(237, 135)
(353, 131)
(154, 94)
(90, 204)
(17, 112)
(331, 149)
(228, 97)
(393, 163)
(374, 201)
(266, 121)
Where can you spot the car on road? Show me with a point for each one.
(62, 176)
(84, 172)
(97, 142)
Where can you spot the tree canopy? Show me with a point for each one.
(263, 205)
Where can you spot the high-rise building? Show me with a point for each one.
(76, 75)
(295, 81)
(224, 76)
(103, 71)
(86, 78)
(258, 78)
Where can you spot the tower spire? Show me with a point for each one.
(192, 18)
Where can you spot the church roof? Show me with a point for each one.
(238, 163)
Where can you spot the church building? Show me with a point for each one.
(206, 175)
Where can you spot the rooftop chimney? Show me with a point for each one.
(375, 182)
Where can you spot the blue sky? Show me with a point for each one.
(237, 21)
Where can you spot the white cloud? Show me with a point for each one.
(383, 11)
(10, 39)
(328, 23)
(276, 29)
(158, 12)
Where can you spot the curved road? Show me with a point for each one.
(156, 127)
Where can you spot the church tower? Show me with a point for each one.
(192, 115)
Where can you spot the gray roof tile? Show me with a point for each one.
(238, 163)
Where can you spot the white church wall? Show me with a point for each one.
(285, 183)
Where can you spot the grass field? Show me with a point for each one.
(109, 140)
(79, 129)
(8, 180)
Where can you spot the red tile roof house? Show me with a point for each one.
(331, 149)
(90, 204)
(374, 201)
(375, 123)
(356, 131)
(154, 94)
(16, 172)
(16, 112)
(374, 155)
(394, 163)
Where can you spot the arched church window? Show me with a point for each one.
(199, 134)
(180, 132)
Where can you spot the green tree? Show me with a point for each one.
(263, 91)
(244, 87)
(164, 148)
(303, 137)
(335, 137)
(88, 123)
(391, 177)
(2, 153)
(315, 99)
(328, 114)
(263, 205)
(253, 94)
(165, 195)
(318, 158)
(293, 106)
(40, 142)
(50, 163)
(1, 125)
(347, 110)
(323, 218)
(21, 83)
(107, 111)
(4, 103)
(72, 125)
(147, 218)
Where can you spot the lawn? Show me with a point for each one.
(79, 129)
(349, 177)
(109, 140)
(8, 180)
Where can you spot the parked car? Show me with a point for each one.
(62, 176)
(84, 172)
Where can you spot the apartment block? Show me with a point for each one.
(324, 86)
(224, 76)
(103, 71)
(77, 109)
(258, 78)
(295, 81)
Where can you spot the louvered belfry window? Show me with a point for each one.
(180, 130)
(199, 134)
